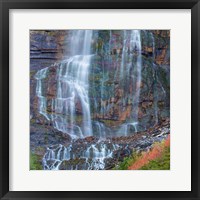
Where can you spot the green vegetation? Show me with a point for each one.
(35, 163)
(128, 161)
(158, 158)
(162, 163)
(32, 73)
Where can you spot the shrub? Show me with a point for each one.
(35, 163)
(162, 163)
(158, 157)
(127, 162)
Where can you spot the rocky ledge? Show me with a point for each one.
(83, 153)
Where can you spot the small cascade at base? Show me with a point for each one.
(89, 157)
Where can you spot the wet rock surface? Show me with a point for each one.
(97, 98)
(101, 154)
(111, 99)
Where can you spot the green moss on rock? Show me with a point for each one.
(35, 163)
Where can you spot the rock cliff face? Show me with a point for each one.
(46, 47)
(113, 72)
(115, 83)
(99, 83)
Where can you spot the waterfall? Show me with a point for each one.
(153, 45)
(94, 156)
(136, 47)
(72, 85)
(131, 66)
(101, 130)
(124, 52)
(110, 45)
(107, 83)
(72, 88)
(42, 101)
(125, 128)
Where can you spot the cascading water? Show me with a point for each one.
(71, 110)
(73, 84)
(101, 130)
(125, 128)
(124, 52)
(132, 53)
(94, 156)
(153, 45)
(42, 101)
(72, 88)
(136, 47)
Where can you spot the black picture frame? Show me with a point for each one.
(6, 5)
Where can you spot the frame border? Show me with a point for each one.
(5, 5)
